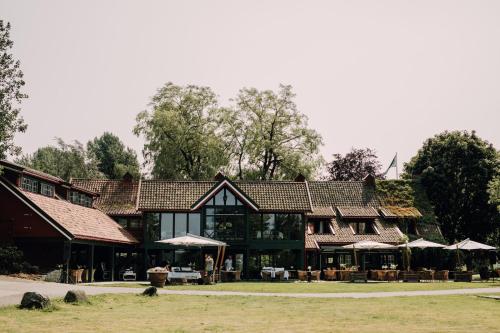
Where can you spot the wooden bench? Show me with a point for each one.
(359, 277)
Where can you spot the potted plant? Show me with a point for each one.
(158, 276)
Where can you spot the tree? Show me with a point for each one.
(112, 157)
(181, 133)
(11, 82)
(455, 169)
(269, 137)
(65, 161)
(494, 191)
(355, 165)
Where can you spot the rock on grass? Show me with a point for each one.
(76, 296)
(33, 300)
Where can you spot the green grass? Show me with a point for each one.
(132, 313)
(321, 287)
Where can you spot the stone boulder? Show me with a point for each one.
(32, 300)
(150, 291)
(76, 296)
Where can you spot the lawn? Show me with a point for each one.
(133, 313)
(320, 287)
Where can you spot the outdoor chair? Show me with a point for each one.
(441, 275)
(344, 275)
(315, 275)
(391, 275)
(302, 275)
(379, 275)
(266, 276)
(425, 275)
(279, 275)
(330, 274)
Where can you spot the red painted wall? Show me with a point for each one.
(18, 220)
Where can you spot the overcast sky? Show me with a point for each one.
(379, 74)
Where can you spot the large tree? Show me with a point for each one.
(11, 82)
(355, 165)
(455, 169)
(65, 161)
(269, 137)
(112, 157)
(181, 135)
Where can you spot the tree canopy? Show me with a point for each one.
(11, 82)
(455, 168)
(112, 157)
(181, 135)
(65, 161)
(355, 165)
(269, 137)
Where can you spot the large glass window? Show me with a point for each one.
(195, 224)
(30, 184)
(225, 223)
(167, 225)
(224, 198)
(47, 189)
(276, 226)
(180, 225)
(152, 225)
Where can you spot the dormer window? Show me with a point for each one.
(36, 186)
(80, 199)
(363, 227)
(30, 184)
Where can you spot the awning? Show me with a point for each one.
(191, 240)
(422, 244)
(469, 245)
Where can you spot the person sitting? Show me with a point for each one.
(228, 263)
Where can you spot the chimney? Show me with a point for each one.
(127, 177)
(300, 178)
(369, 180)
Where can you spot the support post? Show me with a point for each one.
(112, 263)
(90, 273)
(67, 254)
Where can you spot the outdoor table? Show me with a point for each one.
(192, 275)
(227, 276)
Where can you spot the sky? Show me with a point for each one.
(380, 74)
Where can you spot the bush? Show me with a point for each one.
(11, 260)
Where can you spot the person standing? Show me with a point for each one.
(209, 266)
(228, 263)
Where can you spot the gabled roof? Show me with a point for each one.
(81, 222)
(342, 193)
(357, 212)
(217, 187)
(70, 220)
(116, 197)
(321, 212)
(182, 195)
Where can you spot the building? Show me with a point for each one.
(292, 224)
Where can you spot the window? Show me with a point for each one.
(47, 189)
(195, 224)
(345, 260)
(152, 225)
(362, 227)
(225, 223)
(224, 198)
(80, 199)
(167, 225)
(321, 226)
(276, 226)
(180, 225)
(122, 221)
(30, 184)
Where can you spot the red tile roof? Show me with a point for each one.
(82, 222)
(359, 212)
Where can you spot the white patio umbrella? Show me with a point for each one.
(367, 245)
(191, 240)
(468, 245)
(422, 244)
